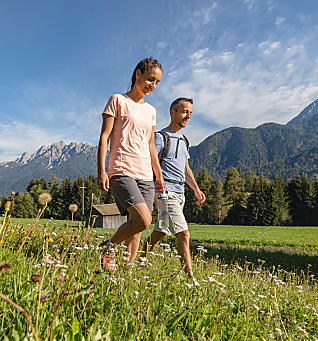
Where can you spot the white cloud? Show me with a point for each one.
(279, 20)
(231, 89)
(162, 45)
(268, 47)
(251, 4)
(18, 137)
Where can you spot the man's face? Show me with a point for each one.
(182, 114)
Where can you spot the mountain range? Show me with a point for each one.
(270, 149)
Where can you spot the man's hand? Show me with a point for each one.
(103, 181)
(161, 184)
(200, 196)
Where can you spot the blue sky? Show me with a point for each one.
(245, 62)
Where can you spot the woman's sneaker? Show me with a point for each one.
(109, 259)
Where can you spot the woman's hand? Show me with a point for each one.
(103, 181)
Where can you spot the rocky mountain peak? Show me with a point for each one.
(55, 153)
(308, 112)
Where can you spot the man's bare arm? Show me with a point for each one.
(190, 180)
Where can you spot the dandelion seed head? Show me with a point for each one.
(45, 198)
(73, 208)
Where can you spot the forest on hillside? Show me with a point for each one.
(239, 200)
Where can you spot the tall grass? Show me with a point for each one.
(67, 295)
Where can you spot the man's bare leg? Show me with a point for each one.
(183, 247)
(152, 241)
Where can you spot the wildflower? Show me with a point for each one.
(35, 278)
(73, 208)
(195, 282)
(5, 266)
(143, 259)
(12, 194)
(213, 280)
(279, 331)
(45, 198)
(188, 285)
(61, 266)
(256, 307)
(7, 206)
(51, 240)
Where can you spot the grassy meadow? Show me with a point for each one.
(54, 288)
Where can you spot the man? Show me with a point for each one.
(176, 172)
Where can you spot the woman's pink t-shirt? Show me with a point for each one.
(129, 141)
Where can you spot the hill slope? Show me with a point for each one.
(271, 149)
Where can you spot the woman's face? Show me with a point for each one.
(147, 82)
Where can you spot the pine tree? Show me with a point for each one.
(301, 197)
(24, 206)
(234, 194)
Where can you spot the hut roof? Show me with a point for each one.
(107, 209)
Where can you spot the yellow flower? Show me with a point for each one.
(51, 240)
(7, 206)
(12, 230)
(61, 239)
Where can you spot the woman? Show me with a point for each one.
(128, 121)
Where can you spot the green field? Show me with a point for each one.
(55, 288)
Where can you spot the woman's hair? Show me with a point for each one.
(144, 65)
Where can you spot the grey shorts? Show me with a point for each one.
(129, 191)
(177, 222)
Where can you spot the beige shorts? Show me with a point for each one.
(177, 222)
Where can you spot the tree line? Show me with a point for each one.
(251, 200)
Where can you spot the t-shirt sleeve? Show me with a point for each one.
(159, 143)
(154, 120)
(111, 108)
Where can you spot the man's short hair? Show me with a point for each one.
(175, 104)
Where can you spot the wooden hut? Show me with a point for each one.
(108, 216)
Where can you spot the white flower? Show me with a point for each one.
(195, 282)
(213, 280)
(143, 259)
(78, 248)
(279, 331)
(61, 266)
(188, 285)
(256, 307)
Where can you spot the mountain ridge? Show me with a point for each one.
(269, 149)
